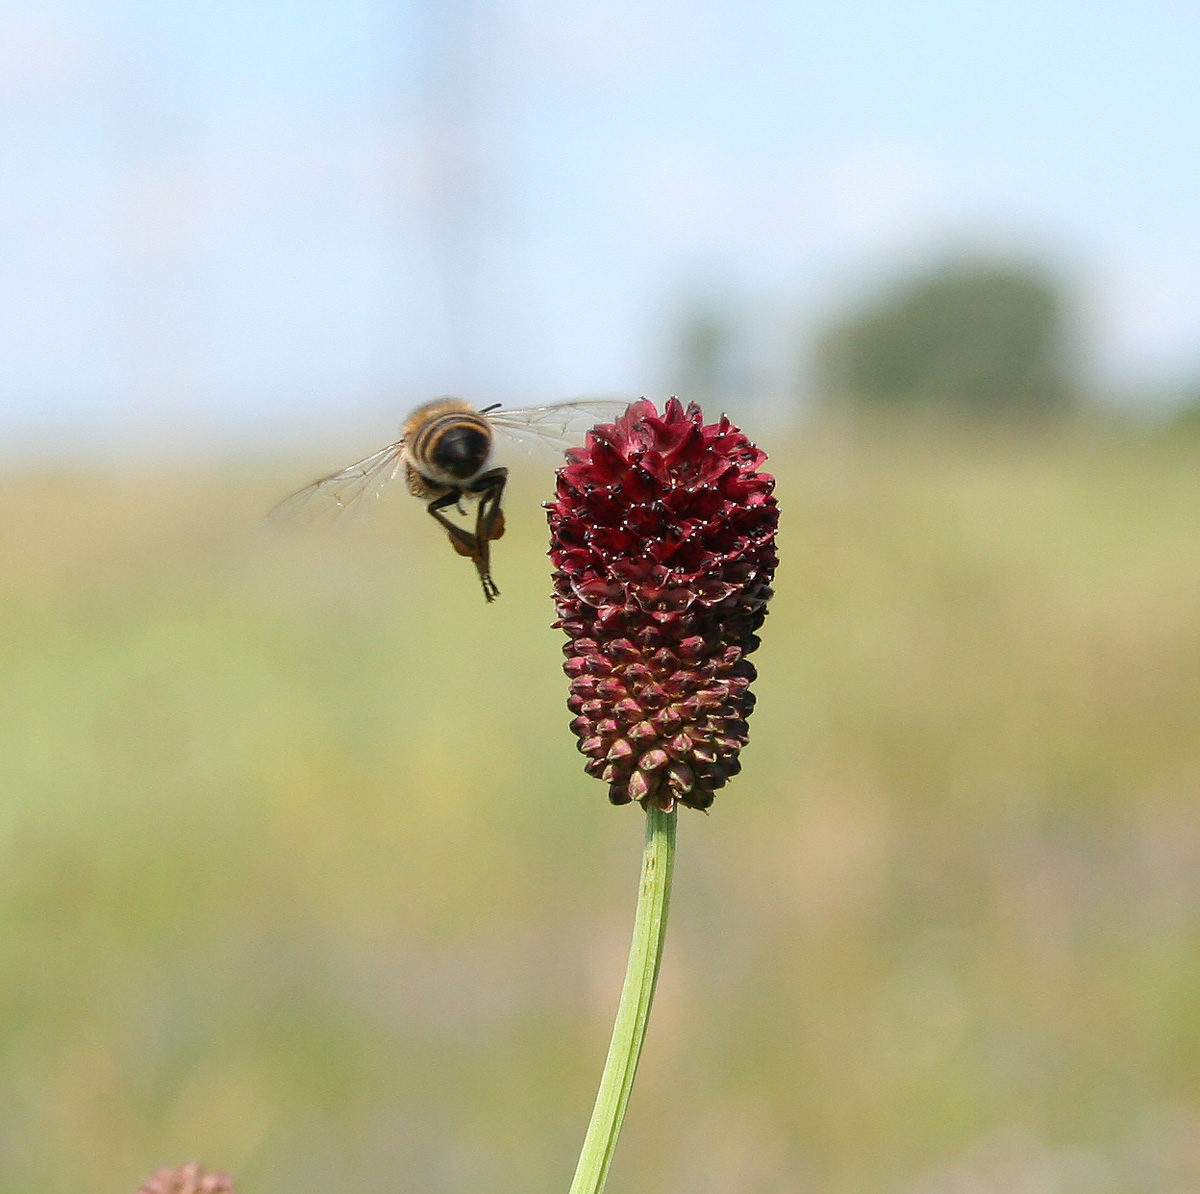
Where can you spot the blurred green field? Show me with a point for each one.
(300, 873)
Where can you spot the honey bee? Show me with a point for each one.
(445, 456)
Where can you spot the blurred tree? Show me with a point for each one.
(972, 335)
(1187, 409)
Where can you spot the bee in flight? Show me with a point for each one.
(445, 456)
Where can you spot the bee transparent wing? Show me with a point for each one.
(560, 425)
(329, 496)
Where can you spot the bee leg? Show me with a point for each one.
(489, 520)
(461, 539)
(464, 542)
(489, 523)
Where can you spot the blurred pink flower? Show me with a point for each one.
(188, 1179)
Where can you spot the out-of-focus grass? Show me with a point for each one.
(299, 872)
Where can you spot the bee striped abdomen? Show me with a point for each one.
(451, 445)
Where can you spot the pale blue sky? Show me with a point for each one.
(253, 219)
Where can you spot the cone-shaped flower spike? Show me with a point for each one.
(663, 544)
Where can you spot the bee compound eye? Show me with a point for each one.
(461, 451)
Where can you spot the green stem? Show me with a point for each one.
(633, 1012)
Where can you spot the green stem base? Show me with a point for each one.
(633, 1012)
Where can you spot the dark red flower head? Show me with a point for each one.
(188, 1179)
(662, 536)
